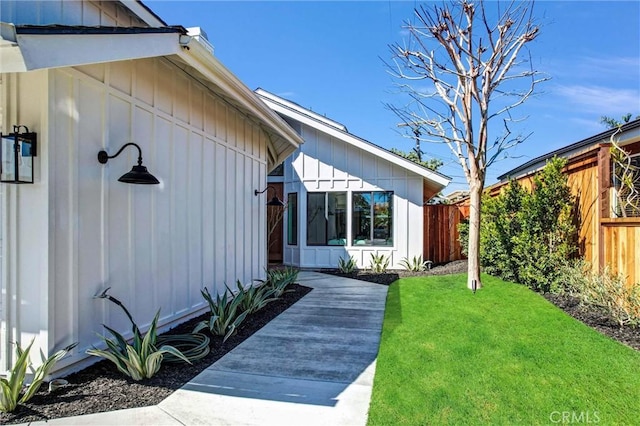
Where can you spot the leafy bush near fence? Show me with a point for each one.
(526, 235)
(604, 289)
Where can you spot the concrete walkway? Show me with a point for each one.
(313, 364)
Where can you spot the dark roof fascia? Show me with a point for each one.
(148, 9)
(356, 136)
(97, 30)
(561, 151)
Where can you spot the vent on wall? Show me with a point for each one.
(198, 34)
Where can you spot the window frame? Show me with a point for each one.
(372, 215)
(292, 219)
(326, 214)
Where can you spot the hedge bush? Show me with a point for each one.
(525, 236)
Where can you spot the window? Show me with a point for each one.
(372, 223)
(278, 171)
(326, 219)
(292, 219)
(626, 179)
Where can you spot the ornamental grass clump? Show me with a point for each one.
(13, 390)
(605, 290)
(347, 266)
(226, 313)
(416, 264)
(379, 263)
(140, 360)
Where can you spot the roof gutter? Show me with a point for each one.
(195, 54)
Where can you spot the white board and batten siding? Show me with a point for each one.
(68, 12)
(78, 230)
(325, 163)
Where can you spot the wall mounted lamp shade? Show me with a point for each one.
(17, 151)
(275, 201)
(138, 174)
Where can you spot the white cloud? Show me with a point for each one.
(600, 99)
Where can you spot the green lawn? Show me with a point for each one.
(503, 356)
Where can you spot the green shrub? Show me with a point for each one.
(14, 386)
(226, 314)
(416, 264)
(379, 263)
(347, 266)
(525, 236)
(604, 289)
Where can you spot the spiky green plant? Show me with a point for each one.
(226, 314)
(347, 266)
(11, 388)
(140, 360)
(379, 263)
(415, 264)
(143, 358)
(254, 297)
(280, 279)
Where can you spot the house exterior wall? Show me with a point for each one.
(78, 230)
(326, 164)
(68, 12)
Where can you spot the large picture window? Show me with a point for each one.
(372, 223)
(326, 219)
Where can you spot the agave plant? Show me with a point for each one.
(347, 266)
(416, 264)
(226, 313)
(11, 388)
(379, 263)
(139, 360)
(254, 297)
(280, 279)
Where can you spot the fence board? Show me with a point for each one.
(441, 243)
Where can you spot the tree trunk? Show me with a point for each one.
(473, 279)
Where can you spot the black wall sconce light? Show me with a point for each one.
(138, 174)
(16, 155)
(275, 201)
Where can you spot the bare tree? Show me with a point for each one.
(471, 56)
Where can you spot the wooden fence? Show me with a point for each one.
(440, 241)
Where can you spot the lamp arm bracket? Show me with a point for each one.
(103, 156)
(256, 192)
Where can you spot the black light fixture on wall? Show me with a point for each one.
(17, 151)
(275, 201)
(138, 174)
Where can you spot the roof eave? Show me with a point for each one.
(435, 179)
(61, 47)
(287, 140)
(571, 150)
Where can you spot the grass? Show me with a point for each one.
(502, 356)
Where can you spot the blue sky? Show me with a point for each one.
(328, 56)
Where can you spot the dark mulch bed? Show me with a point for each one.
(596, 319)
(455, 267)
(101, 387)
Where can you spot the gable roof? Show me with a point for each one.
(30, 47)
(628, 131)
(339, 131)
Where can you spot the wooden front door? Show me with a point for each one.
(275, 226)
